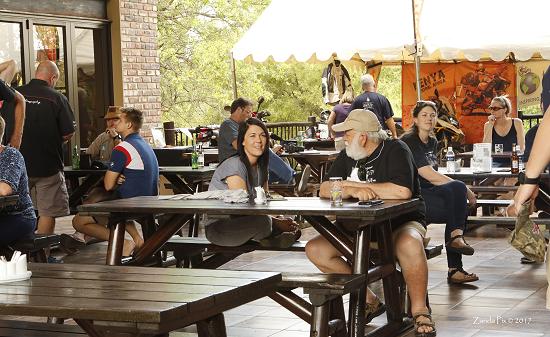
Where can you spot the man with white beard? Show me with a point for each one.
(376, 167)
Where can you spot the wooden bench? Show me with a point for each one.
(493, 189)
(35, 247)
(188, 251)
(500, 221)
(325, 313)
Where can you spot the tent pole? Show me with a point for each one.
(416, 55)
(233, 75)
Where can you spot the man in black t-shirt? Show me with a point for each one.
(49, 124)
(373, 166)
(375, 102)
(12, 106)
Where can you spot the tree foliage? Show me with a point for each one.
(195, 39)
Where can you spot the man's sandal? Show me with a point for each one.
(374, 309)
(468, 277)
(464, 250)
(418, 324)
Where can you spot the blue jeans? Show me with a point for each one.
(279, 170)
(15, 227)
(447, 203)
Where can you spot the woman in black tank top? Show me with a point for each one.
(502, 129)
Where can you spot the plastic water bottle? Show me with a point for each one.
(200, 158)
(520, 159)
(103, 156)
(451, 163)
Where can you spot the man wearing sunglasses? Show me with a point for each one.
(376, 167)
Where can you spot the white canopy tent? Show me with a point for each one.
(311, 30)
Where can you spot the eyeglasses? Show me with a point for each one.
(495, 108)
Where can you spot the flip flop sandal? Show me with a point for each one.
(466, 250)
(374, 309)
(418, 324)
(469, 277)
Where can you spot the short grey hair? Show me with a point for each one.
(2, 127)
(377, 136)
(367, 80)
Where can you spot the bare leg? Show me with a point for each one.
(134, 233)
(46, 225)
(329, 260)
(88, 226)
(410, 253)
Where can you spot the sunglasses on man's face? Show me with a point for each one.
(495, 108)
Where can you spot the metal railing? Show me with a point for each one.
(531, 119)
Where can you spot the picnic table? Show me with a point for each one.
(8, 200)
(139, 301)
(318, 160)
(354, 217)
(184, 179)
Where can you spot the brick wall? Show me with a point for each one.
(140, 59)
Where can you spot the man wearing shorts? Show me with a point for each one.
(133, 171)
(49, 123)
(375, 167)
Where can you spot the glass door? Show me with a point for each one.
(49, 44)
(11, 49)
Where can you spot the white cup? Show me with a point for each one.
(10, 269)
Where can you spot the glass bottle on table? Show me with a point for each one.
(194, 155)
(514, 158)
(75, 158)
(200, 158)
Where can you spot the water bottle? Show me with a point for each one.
(76, 158)
(200, 159)
(103, 153)
(300, 139)
(451, 163)
(520, 159)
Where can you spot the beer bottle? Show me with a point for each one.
(515, 160)
(75, 158)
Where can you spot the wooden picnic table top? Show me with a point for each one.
(183, 170)
(285, 206)
(470, 154)
(132, 298)
(315, 154)
(8, 200)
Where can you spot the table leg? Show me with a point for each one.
(329, 231)
(358, 298)
(88, 327)
(179, 185)
(391, 283)
(116, 242)
(212, 327)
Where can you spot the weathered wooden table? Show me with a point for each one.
(355, 218)
(318, 160)
(139, 301)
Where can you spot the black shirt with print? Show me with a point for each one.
(424, 154)
(391, 162)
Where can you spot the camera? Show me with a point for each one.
(291, 147)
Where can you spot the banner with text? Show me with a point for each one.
(529, 79)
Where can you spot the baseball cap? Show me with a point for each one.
(112, 112)
(359, 120)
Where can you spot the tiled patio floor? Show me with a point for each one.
(508, 300)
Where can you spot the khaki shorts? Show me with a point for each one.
(417, 226)
(49, 195)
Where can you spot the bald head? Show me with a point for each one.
(47, 71)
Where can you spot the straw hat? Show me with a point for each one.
(112, 112)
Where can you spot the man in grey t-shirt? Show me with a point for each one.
(241, 110)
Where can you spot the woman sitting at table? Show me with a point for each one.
(246, 170)
(16, 221)
(503, 129)
(445, 198)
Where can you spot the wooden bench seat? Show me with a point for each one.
(500, 221)
(325, 313)
(188, 251)
(12, 328)
(493, 189)
(34, 247)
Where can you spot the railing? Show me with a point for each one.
(532, 119)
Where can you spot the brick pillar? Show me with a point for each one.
(140, 59)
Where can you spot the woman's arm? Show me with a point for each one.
(235, 183)
(5, 189)
(520, 133)
(427, 172)
(488, 133)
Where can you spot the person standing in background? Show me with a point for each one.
(12, 106)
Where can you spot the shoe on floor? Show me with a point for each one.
(468, 277)
(374, 309)
(72, 241)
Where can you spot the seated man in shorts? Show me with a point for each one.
(133, 172)
(375, 167)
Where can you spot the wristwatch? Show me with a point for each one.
(523, 179)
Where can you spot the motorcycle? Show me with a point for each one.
(261, 115)
(447, 130)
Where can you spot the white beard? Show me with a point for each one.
(354, 150)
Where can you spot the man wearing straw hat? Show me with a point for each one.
(103, 145)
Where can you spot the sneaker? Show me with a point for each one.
(304, 179)
(72, 241)
(52, 259)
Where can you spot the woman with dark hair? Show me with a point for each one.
(446, 199)
(246, 170)
(503, 129)
(16, 221)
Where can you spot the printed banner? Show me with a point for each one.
(529, 79)
(463, 91)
